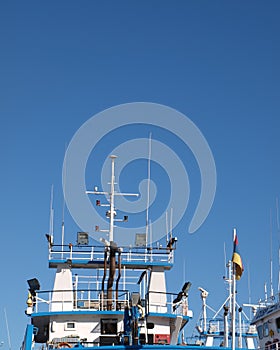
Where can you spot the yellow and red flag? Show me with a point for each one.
(236, 258)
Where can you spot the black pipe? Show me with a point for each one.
(104, 276)
(118, 278)
(112, 269)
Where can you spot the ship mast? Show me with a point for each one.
(110, 214)
(112, 199)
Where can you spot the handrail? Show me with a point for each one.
(92, 299)
(96, 253)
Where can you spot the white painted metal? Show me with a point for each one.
(62, 296)
(174, 335)
(157, 290)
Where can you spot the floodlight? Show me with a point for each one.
(82, 238)
(186, 287)
(33, 285)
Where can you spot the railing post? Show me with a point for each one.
(71, 250)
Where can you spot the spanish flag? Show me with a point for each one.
(236, 258)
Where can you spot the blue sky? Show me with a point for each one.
(215, 61)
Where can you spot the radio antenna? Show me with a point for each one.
(63, 205)
(249, 290)
(271, 262)
(225, 259)
(277, 215)
(8, 330)
(171, 222)
(151, 235)
(148, 187)
(278, 234)
(166, 225)
(51, 215)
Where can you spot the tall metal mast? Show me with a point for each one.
(112, 212)
(112, 199)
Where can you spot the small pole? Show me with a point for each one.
(225, 326)
(204, 312)
(240, 327)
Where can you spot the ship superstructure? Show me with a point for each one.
(267, 322)
(106, 295)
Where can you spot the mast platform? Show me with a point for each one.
(92, 257)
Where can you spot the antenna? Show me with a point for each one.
(225, 259)
(148, 187)
(151, 235)
(166, 226)
(51, 213)
(249, 290)
(171, 222)
(8, 330)
(277, 214)
(271, 262)
(49, 235)
(63, 205)
(278, 232)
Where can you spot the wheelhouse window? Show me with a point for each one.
(109, 326)
(278, 324)
(260, 331)
(265, 329)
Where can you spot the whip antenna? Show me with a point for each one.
(51, 215)
(63, 205)
(271, 262)
(8, 330)
(148, 187)
(171, 222)
(166, 225)
(225, 259)
(278, 232)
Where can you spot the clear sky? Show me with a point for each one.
(217, 62)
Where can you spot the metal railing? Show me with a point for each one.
(271, 300)
(96, 253)
(165, 303)
(76, 300)
(96, 300)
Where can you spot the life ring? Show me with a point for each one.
(271, 333)
(63, 345)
